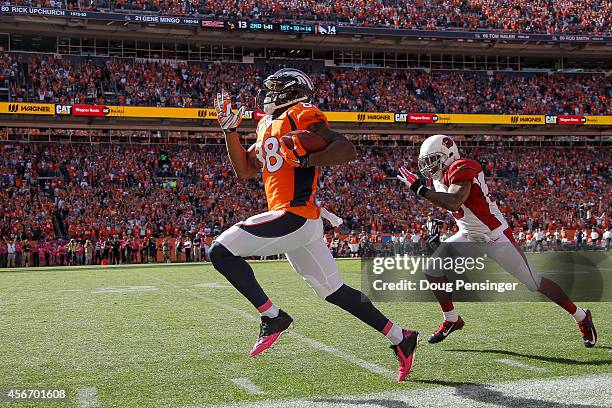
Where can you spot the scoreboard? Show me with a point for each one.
(245, 25)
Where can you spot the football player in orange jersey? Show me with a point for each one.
(292, 224)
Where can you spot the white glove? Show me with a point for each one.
(228, 120)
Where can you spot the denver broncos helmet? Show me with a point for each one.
(284, 88)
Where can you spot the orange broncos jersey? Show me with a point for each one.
(287, 188)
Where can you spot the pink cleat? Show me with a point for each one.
(405, 353)
(270, 331)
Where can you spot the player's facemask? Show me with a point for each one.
(281, 92)
(432, 165)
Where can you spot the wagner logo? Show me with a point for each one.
(203, 113)
(379, 117)
(29, 108)
(374, 117)
(525, 119)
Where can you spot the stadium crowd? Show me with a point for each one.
(534, 16)
(69, 201)
(48, 78)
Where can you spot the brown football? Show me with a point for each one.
(310, 141)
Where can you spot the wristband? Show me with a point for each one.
(422, 190)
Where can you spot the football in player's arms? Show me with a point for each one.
(293, 140)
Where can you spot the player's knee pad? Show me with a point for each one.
(323, 289)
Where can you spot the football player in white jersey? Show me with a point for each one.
(460, 187)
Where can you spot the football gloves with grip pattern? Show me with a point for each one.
(228, 119)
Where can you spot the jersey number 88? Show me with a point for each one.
(270, 155)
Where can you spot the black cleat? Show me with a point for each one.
(270, 331)
(587, 328)
(445, 329)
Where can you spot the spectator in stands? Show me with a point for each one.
(46, 78)
(122, 195)
(11, 253)
(88, 252)
(607, 238)
(3, 253)
(25, 247)
(533, 16)
(166, 250)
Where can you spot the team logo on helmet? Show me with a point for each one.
(447, 142)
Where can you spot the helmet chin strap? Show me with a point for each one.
(270, 108)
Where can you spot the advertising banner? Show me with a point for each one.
(23, 108)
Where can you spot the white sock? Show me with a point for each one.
(395, 334)
(271, 312)
(579, 315)
(451, 316)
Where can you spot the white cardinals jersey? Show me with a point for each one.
(479, 213)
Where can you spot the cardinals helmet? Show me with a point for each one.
(437, 153)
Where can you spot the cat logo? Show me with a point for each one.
(63, 109)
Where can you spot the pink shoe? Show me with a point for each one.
(405, 353)
(270, 331)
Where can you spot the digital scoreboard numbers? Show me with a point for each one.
(270, 27)
(254, 26)
(295, 28)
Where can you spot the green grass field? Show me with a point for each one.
(178, 335)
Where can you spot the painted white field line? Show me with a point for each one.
(124, 289)
(247, 385)
(373, 368)
(584, 391)
(212, 285)
(87, 397)
(515, 363)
